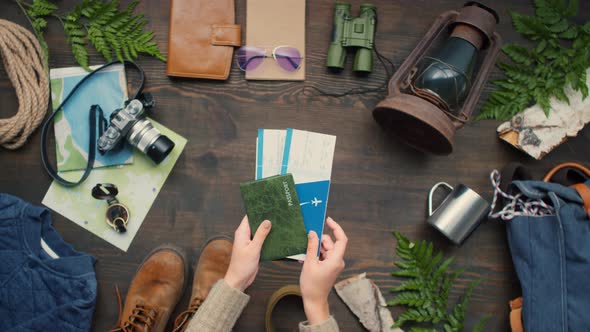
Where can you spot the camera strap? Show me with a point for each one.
(96, 119)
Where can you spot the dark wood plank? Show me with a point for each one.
(378, 183)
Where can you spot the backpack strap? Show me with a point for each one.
(584, 192)
(559, 167)
(581, 188)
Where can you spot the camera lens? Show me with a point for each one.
(160, 149)
(150, 141)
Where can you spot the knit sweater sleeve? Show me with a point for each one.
(220, 310)
(329, 325)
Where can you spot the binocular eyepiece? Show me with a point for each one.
(353, 32)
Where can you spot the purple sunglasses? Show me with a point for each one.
(287, 57)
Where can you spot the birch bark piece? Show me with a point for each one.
(537, 135)
(365, 300)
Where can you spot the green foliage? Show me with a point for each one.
(36, 12)
(559, 58)
(114, 33)
(426, 290)
(481, 325)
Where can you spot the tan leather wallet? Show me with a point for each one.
(202, 37)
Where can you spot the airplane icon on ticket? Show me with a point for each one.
(315, 202)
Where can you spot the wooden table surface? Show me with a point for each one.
(378, 184)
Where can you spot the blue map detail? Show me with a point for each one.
(104, 89)
(313, 198)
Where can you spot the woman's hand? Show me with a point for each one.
(319, 274)
(245, 255)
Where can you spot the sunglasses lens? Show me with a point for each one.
(250, 57)
(288, 58)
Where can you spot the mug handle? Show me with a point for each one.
(432, 190)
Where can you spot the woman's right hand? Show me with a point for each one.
(245, 255)
(319, 273)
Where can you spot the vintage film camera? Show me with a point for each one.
(130, 123)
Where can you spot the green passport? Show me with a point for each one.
(275, 199)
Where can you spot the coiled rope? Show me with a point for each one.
(24, 61)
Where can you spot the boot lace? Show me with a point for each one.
(180, 323)
(141, 319)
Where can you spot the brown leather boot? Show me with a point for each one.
(154, 291)
(210, 268)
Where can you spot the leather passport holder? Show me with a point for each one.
(202, 37)
(272, 23)
(275, 199)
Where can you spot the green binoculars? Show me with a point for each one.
(353, 32)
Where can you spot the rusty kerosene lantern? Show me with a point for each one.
(434, 93)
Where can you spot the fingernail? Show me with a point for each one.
(311, 234)
(266, 224)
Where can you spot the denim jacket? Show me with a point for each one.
(45, 285)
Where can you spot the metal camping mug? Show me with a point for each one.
(459, 214)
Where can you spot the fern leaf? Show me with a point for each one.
(543, 100)
(423, 329)
(99, 41)
(37, 12)
(581, 84)
(406, 273)
(442, 268)
(408, 285)
(541, 46)
(76, 37)
(425, 292)
(481, 324)
(81, 55)
(411, 299)
(517, 54)
(41, 8)
(560, 26)
(457, 316)
(570, 33)
(527, 25)
(433, 262)
(509, 85)
(113, 32)
(39, 24)
(413, 315)
(516, 73)
(560, 58)
(572, 8)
